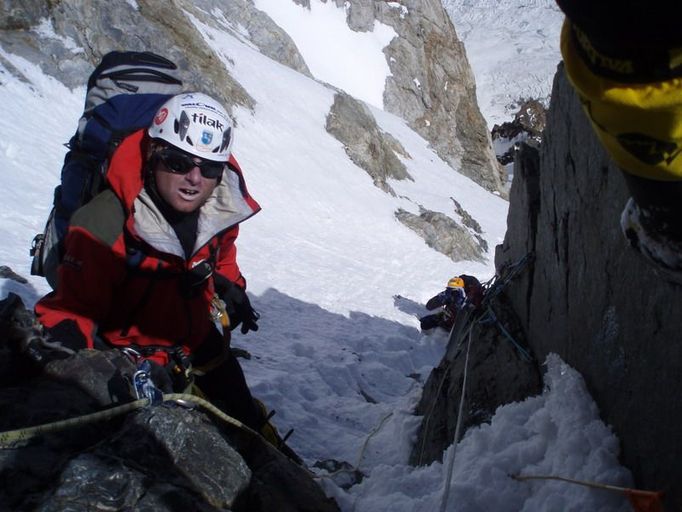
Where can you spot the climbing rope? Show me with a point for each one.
(10, 438)
(451, 463)
(498, 282)
(454, 335)
(374, 432)
(491, 317)
(361, 454)
(642, 501)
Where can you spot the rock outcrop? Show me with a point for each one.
(528, 124)
(593, 300)
(369, 147)
(75, 35)
(164, 457)
(432, 87)
(498, 373)
(445, 234)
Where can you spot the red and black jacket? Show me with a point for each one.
(125, 279)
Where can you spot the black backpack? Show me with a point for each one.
(124, 92)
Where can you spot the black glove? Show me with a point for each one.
(68, 335)
(45, 345)
(237, 304)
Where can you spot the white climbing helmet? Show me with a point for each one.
(195, 123)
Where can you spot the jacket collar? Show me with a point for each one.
(229, 204)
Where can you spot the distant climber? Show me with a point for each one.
(624, 61)
(459, 291)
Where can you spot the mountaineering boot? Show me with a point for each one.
(651, 237)
(269, 432)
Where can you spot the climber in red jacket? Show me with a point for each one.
(147, 259)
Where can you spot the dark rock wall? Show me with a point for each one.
(590, 298)
(497, 374)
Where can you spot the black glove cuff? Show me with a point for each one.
(68, 334)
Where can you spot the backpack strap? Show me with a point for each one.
(151, 63)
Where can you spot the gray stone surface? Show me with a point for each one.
(592, 299)
(203, 459)
(243, 19)
(444, 234)
(432, 87)
(370, 148)
(431, 84)
(472, 224)
(84, 30)
(21, 15)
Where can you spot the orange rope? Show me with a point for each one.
(641, 501)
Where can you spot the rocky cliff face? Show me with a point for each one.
(369, 147)
(590, 298)
(431, 84)
(432, 87)
(68, 38)
(74, 35)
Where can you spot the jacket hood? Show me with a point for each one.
(229, 204)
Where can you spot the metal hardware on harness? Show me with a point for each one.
(219, 313)
(132, 354)
(144, 385)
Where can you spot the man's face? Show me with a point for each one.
(185, 193)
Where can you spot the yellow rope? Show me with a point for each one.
(172, 397)
(9, 438)
(12, 437)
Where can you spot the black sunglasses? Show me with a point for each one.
(178, 162)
